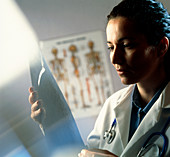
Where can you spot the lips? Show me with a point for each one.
(121, 71)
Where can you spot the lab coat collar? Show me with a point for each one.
(123, 113)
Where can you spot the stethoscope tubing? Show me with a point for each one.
(164, 149)
(164, 137)
(146, 144)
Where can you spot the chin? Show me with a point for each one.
(127, 81)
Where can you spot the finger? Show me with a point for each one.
(85, 153)
(33, 97)
(36, 115)
(39, 115)
(37, 105)
(31, 89)
(80, 155)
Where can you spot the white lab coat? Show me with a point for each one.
(119, 106)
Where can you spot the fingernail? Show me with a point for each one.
(31, 89)
(39, 103)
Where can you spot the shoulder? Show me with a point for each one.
(107, 115)
(120, 95)
(115, 99)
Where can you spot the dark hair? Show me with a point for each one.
(150, 17)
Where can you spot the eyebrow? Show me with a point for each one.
(121, 39)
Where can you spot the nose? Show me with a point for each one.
(116, 56)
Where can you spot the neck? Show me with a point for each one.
(147, 89)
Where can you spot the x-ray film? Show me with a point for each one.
(59, 126)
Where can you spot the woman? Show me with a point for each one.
(138, 33)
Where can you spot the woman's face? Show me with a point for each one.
(134, 59)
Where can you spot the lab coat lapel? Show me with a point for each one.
(150, 120)
(123, 112)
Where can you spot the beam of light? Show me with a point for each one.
(19, 152)
(18, 42)
(10, 144)
(18, 45)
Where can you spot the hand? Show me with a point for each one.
(38, 112)
(95, 153)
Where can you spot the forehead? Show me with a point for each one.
(121, 27)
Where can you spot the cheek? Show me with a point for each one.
(139, 59)
(132, 59)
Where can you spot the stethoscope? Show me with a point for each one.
(109, 135)
(148, 145)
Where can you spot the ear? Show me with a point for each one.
(163, 46)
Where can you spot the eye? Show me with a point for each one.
(110, 48)
(129, 45)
